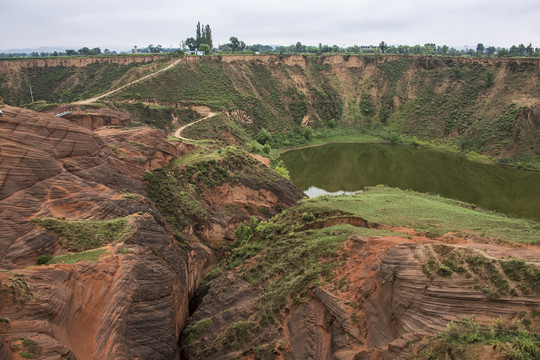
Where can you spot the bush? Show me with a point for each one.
(307, 133)
(44, 259)
(263, 136)
(281, 169)
(396, 138)
(243, 234)
(444, 270)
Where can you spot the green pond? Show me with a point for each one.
(338, 168)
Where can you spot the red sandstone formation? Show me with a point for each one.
(133, 302)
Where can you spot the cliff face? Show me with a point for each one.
(107, 292)
(487, 105)
(67, 79)
(380, 291)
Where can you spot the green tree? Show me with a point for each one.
(205, 48)
(479, 49)
(383, 46)
(490, 51)
(263, 136)
(502, 52)
(208, 36)
(444, 49)
(191, 43)
(198, 35)
(234, 43)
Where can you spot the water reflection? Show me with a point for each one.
(335, 168)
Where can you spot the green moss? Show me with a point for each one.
(80, 235)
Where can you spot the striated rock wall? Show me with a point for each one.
(134, 301)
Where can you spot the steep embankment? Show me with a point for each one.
(484, 105)
(366, 277)
(67, 79)
(115, 276)
(487, 105)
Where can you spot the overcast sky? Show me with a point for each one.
(120, 24)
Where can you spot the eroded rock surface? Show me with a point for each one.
(134, 301)
(388, 303)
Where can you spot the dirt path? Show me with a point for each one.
(88, 101)
(178, 131)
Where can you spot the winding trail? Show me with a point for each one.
(88, 101)
(178, 132)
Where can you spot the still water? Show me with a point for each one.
(336, 168)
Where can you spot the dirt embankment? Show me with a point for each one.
(80, 61)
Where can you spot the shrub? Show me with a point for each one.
(396, 138)
(263, 136)
(243, 234)
(44, 259)
(444, 270)
(307, 133)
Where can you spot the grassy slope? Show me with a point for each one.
(64, 84)
(289, 258)
(472, 106)
(281, 259)
(423, 212)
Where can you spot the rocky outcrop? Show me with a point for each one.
(388, 304)
(133, 302)
(97, 118)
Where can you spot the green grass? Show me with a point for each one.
(427, 213)
(177, 190)
(81, 235)
(193, 332)
(90, 256)
(516, 339)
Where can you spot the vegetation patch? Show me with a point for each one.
(460, 340)
(81, 235)
(427, 213)
(237, 335)
(494, 277)
(192, 333)
(17, 290)
(26, 348)
(90, 256)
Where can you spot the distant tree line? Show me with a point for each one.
(85, 51)
(426, 49)
(203, 41)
